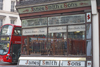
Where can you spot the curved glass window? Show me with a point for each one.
(6, 30)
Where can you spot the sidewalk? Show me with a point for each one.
(5, 64)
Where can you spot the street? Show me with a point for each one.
(4, 64)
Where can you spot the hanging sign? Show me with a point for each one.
(34, 31)
(54, 7)
(88, 16)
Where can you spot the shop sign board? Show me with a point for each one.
(72, 63)
(52, 63)
(57, 29)
(57, 6)
(49, 63)
(34, 31)
(76, 28)
(64, 29)
(29, 62)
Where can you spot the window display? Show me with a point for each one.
(70, 39)
(76, 42)
(58, 43)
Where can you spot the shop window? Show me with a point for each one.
(57, 40)
(88, 31)
(58, 43)
(37, 45)
(69, 19)
(34, 22)
(76, 40)
(89, 48)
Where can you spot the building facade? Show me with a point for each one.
(61, 33)
(8, 13)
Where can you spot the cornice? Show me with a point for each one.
(8, 12)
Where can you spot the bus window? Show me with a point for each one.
(17, 31)
(6, 30)
(4, 48)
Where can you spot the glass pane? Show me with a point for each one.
(17, 31)
(76, 32)
(58, 43)
(34, 22)
(57, 40)
(76, 42)
(24, 45)
(6, 30)
(38, 45)
(69, 19)
(88, 31)
(4, 48)
(89, 48)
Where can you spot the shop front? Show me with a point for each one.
(58, 34)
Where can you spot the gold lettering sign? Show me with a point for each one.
(54, 7)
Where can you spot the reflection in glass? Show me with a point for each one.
(4, 48)
(6, 30)
(69, 19)
(76, 32)
(76, 42)
(89, 48)
(58, 43)
(37, 45)
(88, 31)
(34, 22)
(53, 20)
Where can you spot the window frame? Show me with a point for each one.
(1, 4)
(67, 30)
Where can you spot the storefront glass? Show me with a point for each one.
(62, 35)
(57, 39)
(88, 31)
(69, 19)
(89, 48)
(76, 40)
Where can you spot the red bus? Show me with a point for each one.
(10, 43)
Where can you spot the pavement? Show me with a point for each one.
(5, 64)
